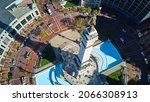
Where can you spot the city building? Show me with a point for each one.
(137, 10)
(89, 36)
(92, 3)
(82, 63)
(14, 16)
(144, 36)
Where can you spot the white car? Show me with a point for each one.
(142, 53)
(49, 11)
(13, 62)
(122, 40)
(146, 61)
(124, 30)
(50, 25)
(139, 77)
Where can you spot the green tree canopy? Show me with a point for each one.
(88, 10)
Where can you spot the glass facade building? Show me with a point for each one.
(139, 10)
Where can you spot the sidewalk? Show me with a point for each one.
(36, 71)
(43, 68)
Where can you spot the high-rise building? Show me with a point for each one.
(89, 36)
(138, 10)
(144, 36)
(92, 3)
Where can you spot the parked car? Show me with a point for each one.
(13, 62)
(122, 40)
(124, 30)
(142, 53)
(50, 25)
(146, 61)
(27, 54)
(139, 77)
(49, 11)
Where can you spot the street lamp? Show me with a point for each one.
(124, 73)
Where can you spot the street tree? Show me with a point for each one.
(95, 12)
(88, 10)
(83, 9)
(79, 24)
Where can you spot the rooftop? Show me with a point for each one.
(7, 15)
(19, 12)
(5, 3)
(22, 8)
(89, 32)
(5, 19)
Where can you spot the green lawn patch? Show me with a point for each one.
(70, 4)
(115, 78)
(38, 1)
(44, 62)
(115, 75)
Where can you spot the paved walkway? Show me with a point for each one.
(43, 68)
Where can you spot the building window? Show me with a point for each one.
(1, 51)
(6, 41)
(37, 13)
(14, 22)
(9, 29)
(32, 14)
(10, 35)
(1, 37)
(2, 61)
(3, 46)
(29, 17)
(23, 22)
(18, 27)
(13, 32)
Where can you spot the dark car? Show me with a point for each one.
(27, 54)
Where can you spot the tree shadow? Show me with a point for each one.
(75, 41)
(67, 21)
(106, 9)
(76, 2)
(80, 16)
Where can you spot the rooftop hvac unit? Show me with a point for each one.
(32, 6)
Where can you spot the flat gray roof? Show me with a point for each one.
(19, 12)
(5, 16)
(5, 3)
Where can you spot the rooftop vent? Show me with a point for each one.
(32, 6)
